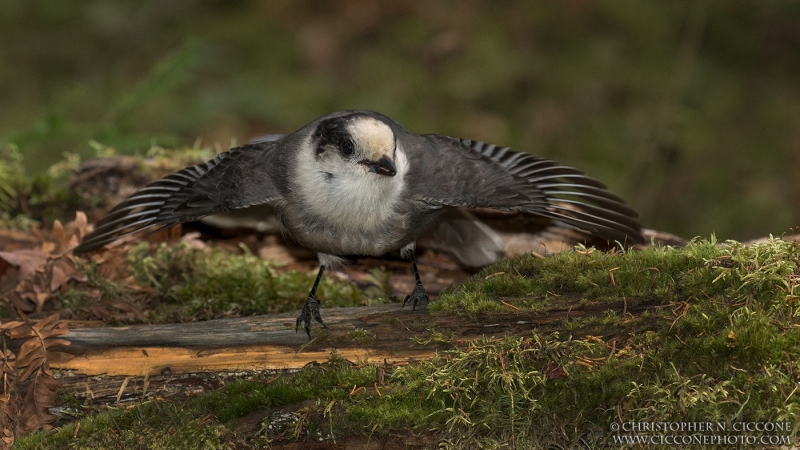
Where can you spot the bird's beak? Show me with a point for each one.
(383, 166)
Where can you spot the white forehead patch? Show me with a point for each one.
(374, 136)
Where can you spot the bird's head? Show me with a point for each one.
(355, 145)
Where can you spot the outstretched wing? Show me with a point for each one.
(238, 178)
(460, 172)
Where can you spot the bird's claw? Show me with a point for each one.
(417, 296)
(310, 309)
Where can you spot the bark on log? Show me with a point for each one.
(269, 342)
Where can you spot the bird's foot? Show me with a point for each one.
(310, 309)
(417, 296)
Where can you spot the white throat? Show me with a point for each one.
(354, 200)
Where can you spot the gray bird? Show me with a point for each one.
(358, 183)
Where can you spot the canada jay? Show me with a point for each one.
(357, 183)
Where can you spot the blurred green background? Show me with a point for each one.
(690, 110)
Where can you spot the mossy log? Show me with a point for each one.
(377, 333)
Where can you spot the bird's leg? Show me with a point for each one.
(418, 295)
(311, 307)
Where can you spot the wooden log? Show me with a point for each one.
(375, 333)
(244, 343)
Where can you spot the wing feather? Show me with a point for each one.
(238, 178)
(464, 173)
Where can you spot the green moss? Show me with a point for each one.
(147, 425)
(19, 222)
(732, 304)
(362, 336)
(183, 284)
(202, 422)
(721, 347)
(194, 283)
(27, 200)
(74, 299)
(660, 273)
(439, 337)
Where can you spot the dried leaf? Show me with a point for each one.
(4, 266)
(9, 399)
(48, 247)
(37, 297)
(9, 372)
(60, 235)
(63, 271)
(100, 312)
(29, 369)
(113, 264)
(553, 371)
(45, 324)
(32, 361)
(80, 224)
(18, 330)
(9, 363)
(15, 240)
(17, 301)
(59, 357)
(35, 351)
(41, 396)
(58, 277)
(11, 325)
(7, 439)
(193, 240)
(39, 276)
(31, 350)
(28, 261)
(51, 342)
(9, 420)
(114, 310)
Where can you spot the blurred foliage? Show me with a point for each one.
(688, 109)
(27, 200)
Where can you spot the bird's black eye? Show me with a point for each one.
(347, 147)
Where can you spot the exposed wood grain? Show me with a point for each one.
(270, 342)
(153, 360)
(246, 343)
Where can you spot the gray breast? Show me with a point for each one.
(323, 235)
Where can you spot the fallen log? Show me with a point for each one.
(380, 333)
(242, 343)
